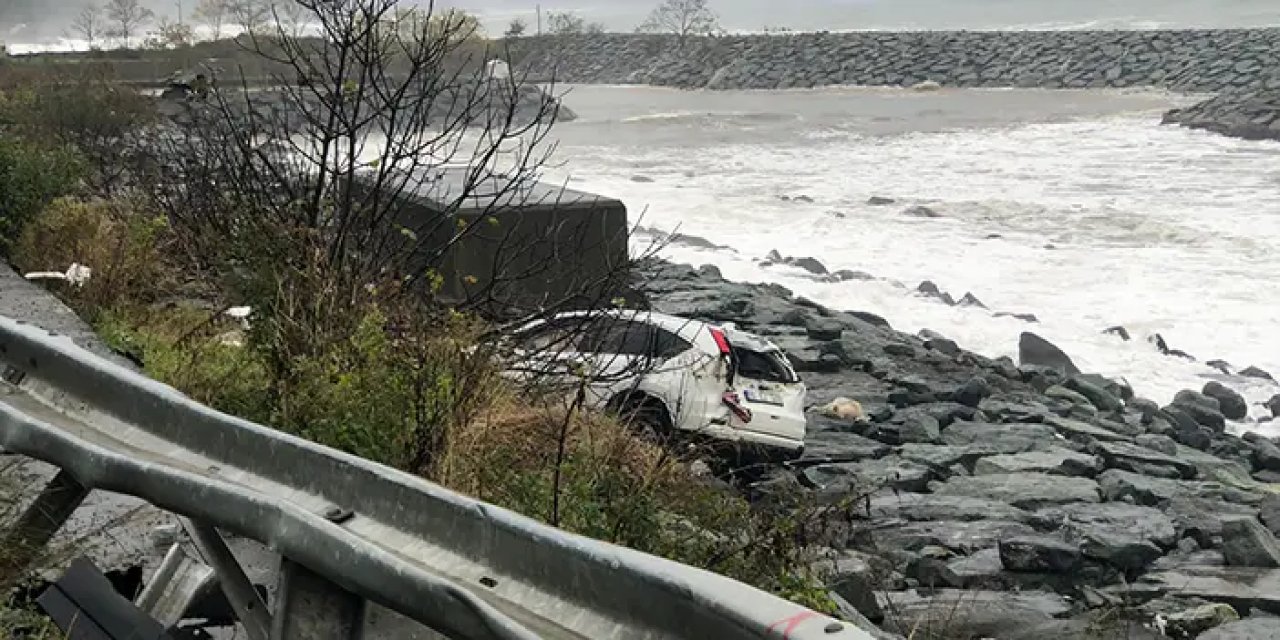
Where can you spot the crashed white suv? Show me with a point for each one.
(671, 373)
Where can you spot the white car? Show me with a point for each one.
(669, 373)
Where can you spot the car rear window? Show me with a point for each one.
(765, 366)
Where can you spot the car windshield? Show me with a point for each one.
(765, 366)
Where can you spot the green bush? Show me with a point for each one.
(31, 176)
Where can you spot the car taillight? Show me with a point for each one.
(722, 342)
(731, 399)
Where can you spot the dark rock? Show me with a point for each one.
(900, 350)
(880, 201)
(921, 211)
(1248, 629)
(929, 507)
(931, 290)
(1201, 408)
(829, 446)
(1245, 588)
(1122, 455)
(1025, 317)
(1053, 461)
(1100, 397)
(1024, 490)
(1000, 438)
(973, 392)
(1201, 518)
(979, 569)
(846, 275)
(644, 179)
(871, 319)
(1188, 397)
(932, 573)
(1246, 543)
(970, 300)
(858, 591)
(1039, 554)
(824, 331)
(1269, 513)
(1232, 404)
(1127, 536)
(1145, 490)
(1265, 453)
(1084, 432)
(904, 428)
(1118, 331)
(1034, 350)
(943, 345)
(710, 271)
(1162, 444)
(1222, 366)
(812, 265)
(970, 614)
(956, 536)
(1254, 372)
(1060, 392)
(866, 476)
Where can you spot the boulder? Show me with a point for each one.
(929, 507)
(1244, 588)
(955, 536)
(1159, 443)
(1203, 414)
(1099, 396)
(1024, 490)
(921, 211)
(1146, 490)
(880, 201)
(1084, 432)
(1249, 629)
(1132, 457)
(1254, 372)
(955, 613)
(1265, 454)
(979, 569)
(1053, 461)
(973, 392)
(1039, 554)
(1121, 332)
(1201, 518)
(1060, 392)
(905, 428)
(1034, 350)
(1274, 406)
(1269, 513)
(1000, 438)
(1246, 543)
(1232, 404)
(867, 476)
(1124, 535)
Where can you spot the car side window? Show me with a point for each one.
(552, 336)
(668, 345)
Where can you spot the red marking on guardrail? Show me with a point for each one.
(789, 625)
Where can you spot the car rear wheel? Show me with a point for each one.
(646, 417)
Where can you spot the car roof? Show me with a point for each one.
(687, 328)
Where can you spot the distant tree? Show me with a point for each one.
(213, 13)
(568, 23)
(682, 18)
(127, 17)
(90, 24)
(291, 16)
(170, 35)
(516, 29)
(252, 16)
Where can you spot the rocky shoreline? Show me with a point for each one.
(1014, 500)
(1241, 66)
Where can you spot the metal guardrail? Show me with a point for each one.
(351, 530)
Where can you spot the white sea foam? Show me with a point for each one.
(1102, 220)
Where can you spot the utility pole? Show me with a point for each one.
(179, 11)
(539, 19)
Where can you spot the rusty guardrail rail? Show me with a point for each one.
(349, 530)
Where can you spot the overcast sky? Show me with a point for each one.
(22, 18)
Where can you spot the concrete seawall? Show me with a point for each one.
(1193, 61)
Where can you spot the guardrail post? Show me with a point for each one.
(249, 608)
(311, 607)
(41, 521)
